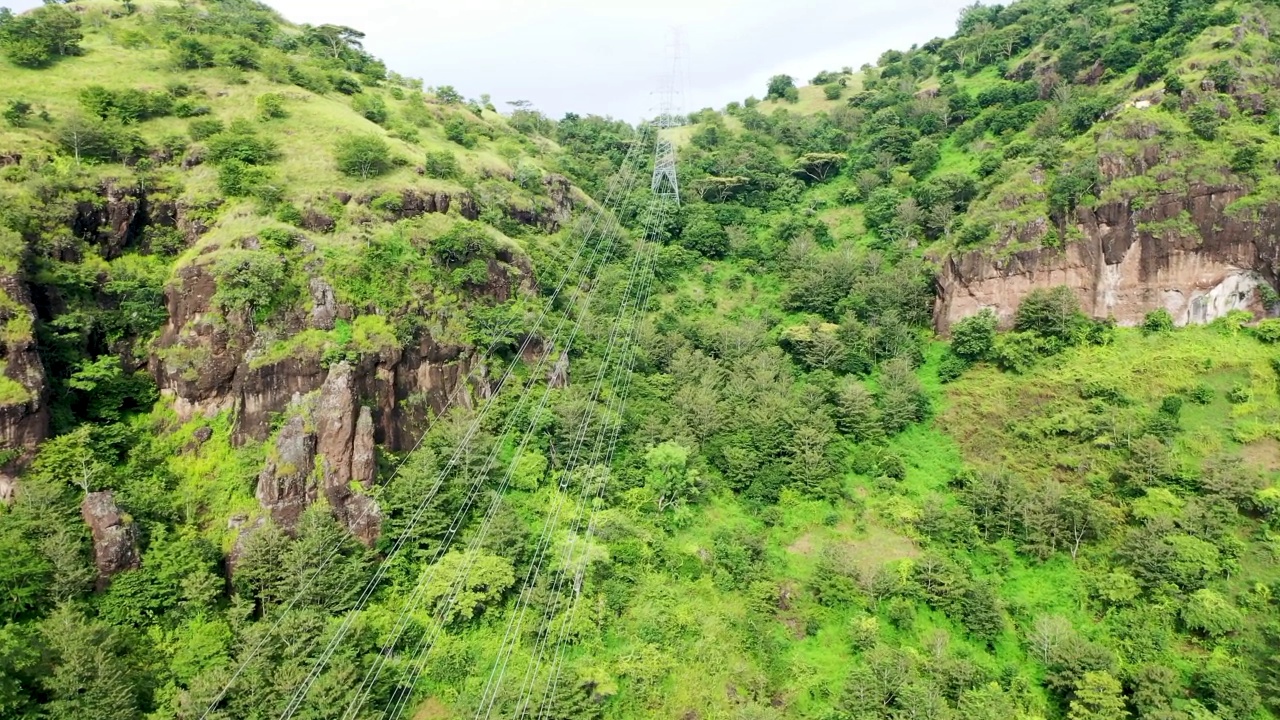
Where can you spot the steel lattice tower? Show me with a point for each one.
(666, 184)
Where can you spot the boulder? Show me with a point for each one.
(115, 537)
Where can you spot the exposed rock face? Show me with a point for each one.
(24, 419)
(284, 485)
(1121, 270)
(115, 540)
(204, 362)
(325, 447)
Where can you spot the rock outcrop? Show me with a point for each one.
(24, 411)
(115, 537)
(206, 365)
(326, 448)
(1188, 253)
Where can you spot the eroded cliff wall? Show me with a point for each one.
(1127, 262)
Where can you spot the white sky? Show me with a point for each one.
(608, 56)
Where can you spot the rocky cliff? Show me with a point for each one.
(1190, 253)
(325, 449)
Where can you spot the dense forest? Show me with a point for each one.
(302, 360)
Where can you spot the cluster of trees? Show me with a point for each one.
(38, 38)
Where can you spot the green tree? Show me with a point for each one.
(1208, 612)
(1052, 313)
(856, 412)
(669, 476)
(902, 399)
(37, 38)
(271, 106)
(974, 337)
(780, 86)
(92, 677)
(24, 573)
(363, 156)
(1098, 697)
(478, 579)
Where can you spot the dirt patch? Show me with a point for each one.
(878, 547)
(803, 545)
(1264, 453)
(433, 709)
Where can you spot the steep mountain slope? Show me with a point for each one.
(246, 269)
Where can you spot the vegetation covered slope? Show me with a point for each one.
(816, 510)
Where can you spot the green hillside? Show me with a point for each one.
(240, 253)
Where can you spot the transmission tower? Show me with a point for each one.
(666, 185)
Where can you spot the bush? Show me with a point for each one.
(388, 202)
(271, 106)
(240, 179)
(442, 165)
(205, 128)
(952, 367)
(1157, 321)
(189, 53)
(17, 113)
(362, 156)
(1020, 351)
(127, 106)
(93, 139)
(463, 243)
(187, 108)
(1268, 331)
(456, 131)
(370, 107)
(344, 83)
(241, 142)
(1204, 121)
(974, 337)
(832, 91)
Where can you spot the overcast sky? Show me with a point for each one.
(608, 56)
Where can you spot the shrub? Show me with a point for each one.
(463, 243)
(1200, 394)
(94, 139)
(370, 107)
(240, 179)
(241, 142)
(204, 128)
(344, 83)
(1020, 351)
(363, 156)
(1268, 331)
(187, 108)
(1204, 121)
(189, 53)
(271, 106)
(254, 283)
(278, 238)
(832, 91)
(127, 106)
(456, 131)
(441, 164)
(974, 337)
(388, 202)
(1157, 321)
(17, 113)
